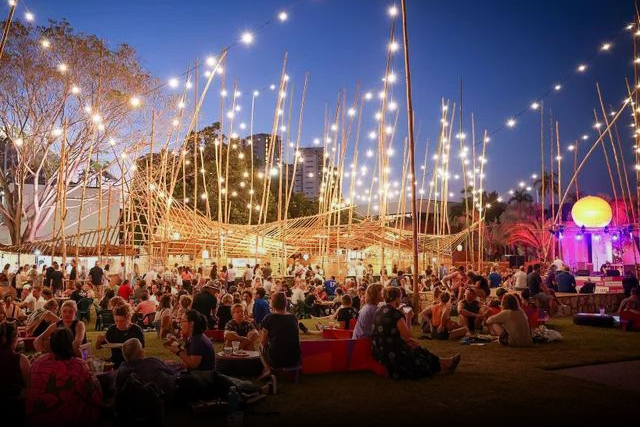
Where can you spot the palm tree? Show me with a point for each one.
(521, 196)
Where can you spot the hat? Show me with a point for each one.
(26, 287)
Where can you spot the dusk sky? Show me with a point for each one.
(508, 52)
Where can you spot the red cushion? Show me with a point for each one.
(338, 355)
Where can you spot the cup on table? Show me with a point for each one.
(227, 351)
(235, 419)
(236, 346)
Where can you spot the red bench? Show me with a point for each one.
(338, 355)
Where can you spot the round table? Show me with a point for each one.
(233, 365)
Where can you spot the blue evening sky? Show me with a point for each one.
(508, 52)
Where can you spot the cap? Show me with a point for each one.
(26, 287)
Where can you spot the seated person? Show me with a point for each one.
(442, 327)
(346, 312)
(68, 314)
(566, 281)
(471, 312)
(119, 332)
(629, 310)
(239, 329)
(162, 320)
(34, 300)
(511, 324)
(280, 343)
(425, 316)
(366, 316)
(14, 371)
(104, 302)
(13, 310)
(198, 353)
(147, 369)
(39, 320)
(260, 306)
(62, 390)
(144, 307)
(78, 293)
(224, 311)
(393, 346)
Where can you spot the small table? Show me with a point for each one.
(249, 365)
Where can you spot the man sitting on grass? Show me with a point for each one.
(471, 313)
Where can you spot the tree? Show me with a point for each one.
(61, 106)
(235, 179)
(520, 196)
(550, 182)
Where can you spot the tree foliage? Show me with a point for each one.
(72, 95)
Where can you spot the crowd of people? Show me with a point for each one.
(259, 311)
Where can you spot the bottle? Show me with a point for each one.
(233, 398)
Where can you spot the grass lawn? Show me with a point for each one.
(492, 383)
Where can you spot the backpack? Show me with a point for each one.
(588, 288)
(138, 401)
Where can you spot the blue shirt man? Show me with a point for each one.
(495, 279)
(260, 306)
(330, 286)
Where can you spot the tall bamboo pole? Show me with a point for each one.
(414, 204)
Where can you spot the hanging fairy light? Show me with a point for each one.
(247, 38)
(283, 16)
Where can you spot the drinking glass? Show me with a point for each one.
(98, 365)
(227, 351)
(236, 346)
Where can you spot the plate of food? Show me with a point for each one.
(112, 345)
(241, 353)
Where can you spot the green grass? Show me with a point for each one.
(492, 383)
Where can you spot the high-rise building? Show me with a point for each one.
(309, 172)
(260, 147)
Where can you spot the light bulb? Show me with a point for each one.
(283, 16)
(247, 38)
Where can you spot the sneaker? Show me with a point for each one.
(303, 328)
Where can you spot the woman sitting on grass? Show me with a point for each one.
(366, 316)
(511, 324)
(394, 347)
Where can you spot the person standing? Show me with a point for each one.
(495, 279)
(96, 274)
(73, 275)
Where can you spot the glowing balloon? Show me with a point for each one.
(591, 211)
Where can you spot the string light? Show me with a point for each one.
(134, 101)
(605, 46)
(29, 16)
(511, 123)
(557, 87)
(393, 11)
(394, 46)
(75, 89)
(368, 96)
(535, 106)
(46, 44)
(211, 61)
(283, 16)
(247, 38)
(173, 82)
(62, 67)
(571, 147)
(582, 68)
(18, 142)
(256, 93)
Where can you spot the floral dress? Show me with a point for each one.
(62, 393)
(394, 353)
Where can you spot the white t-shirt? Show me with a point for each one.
(360, 270)
(267, 286)
(297, 295)
(248, 274)
(231, 275)
(520, 279)
(34, 304)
